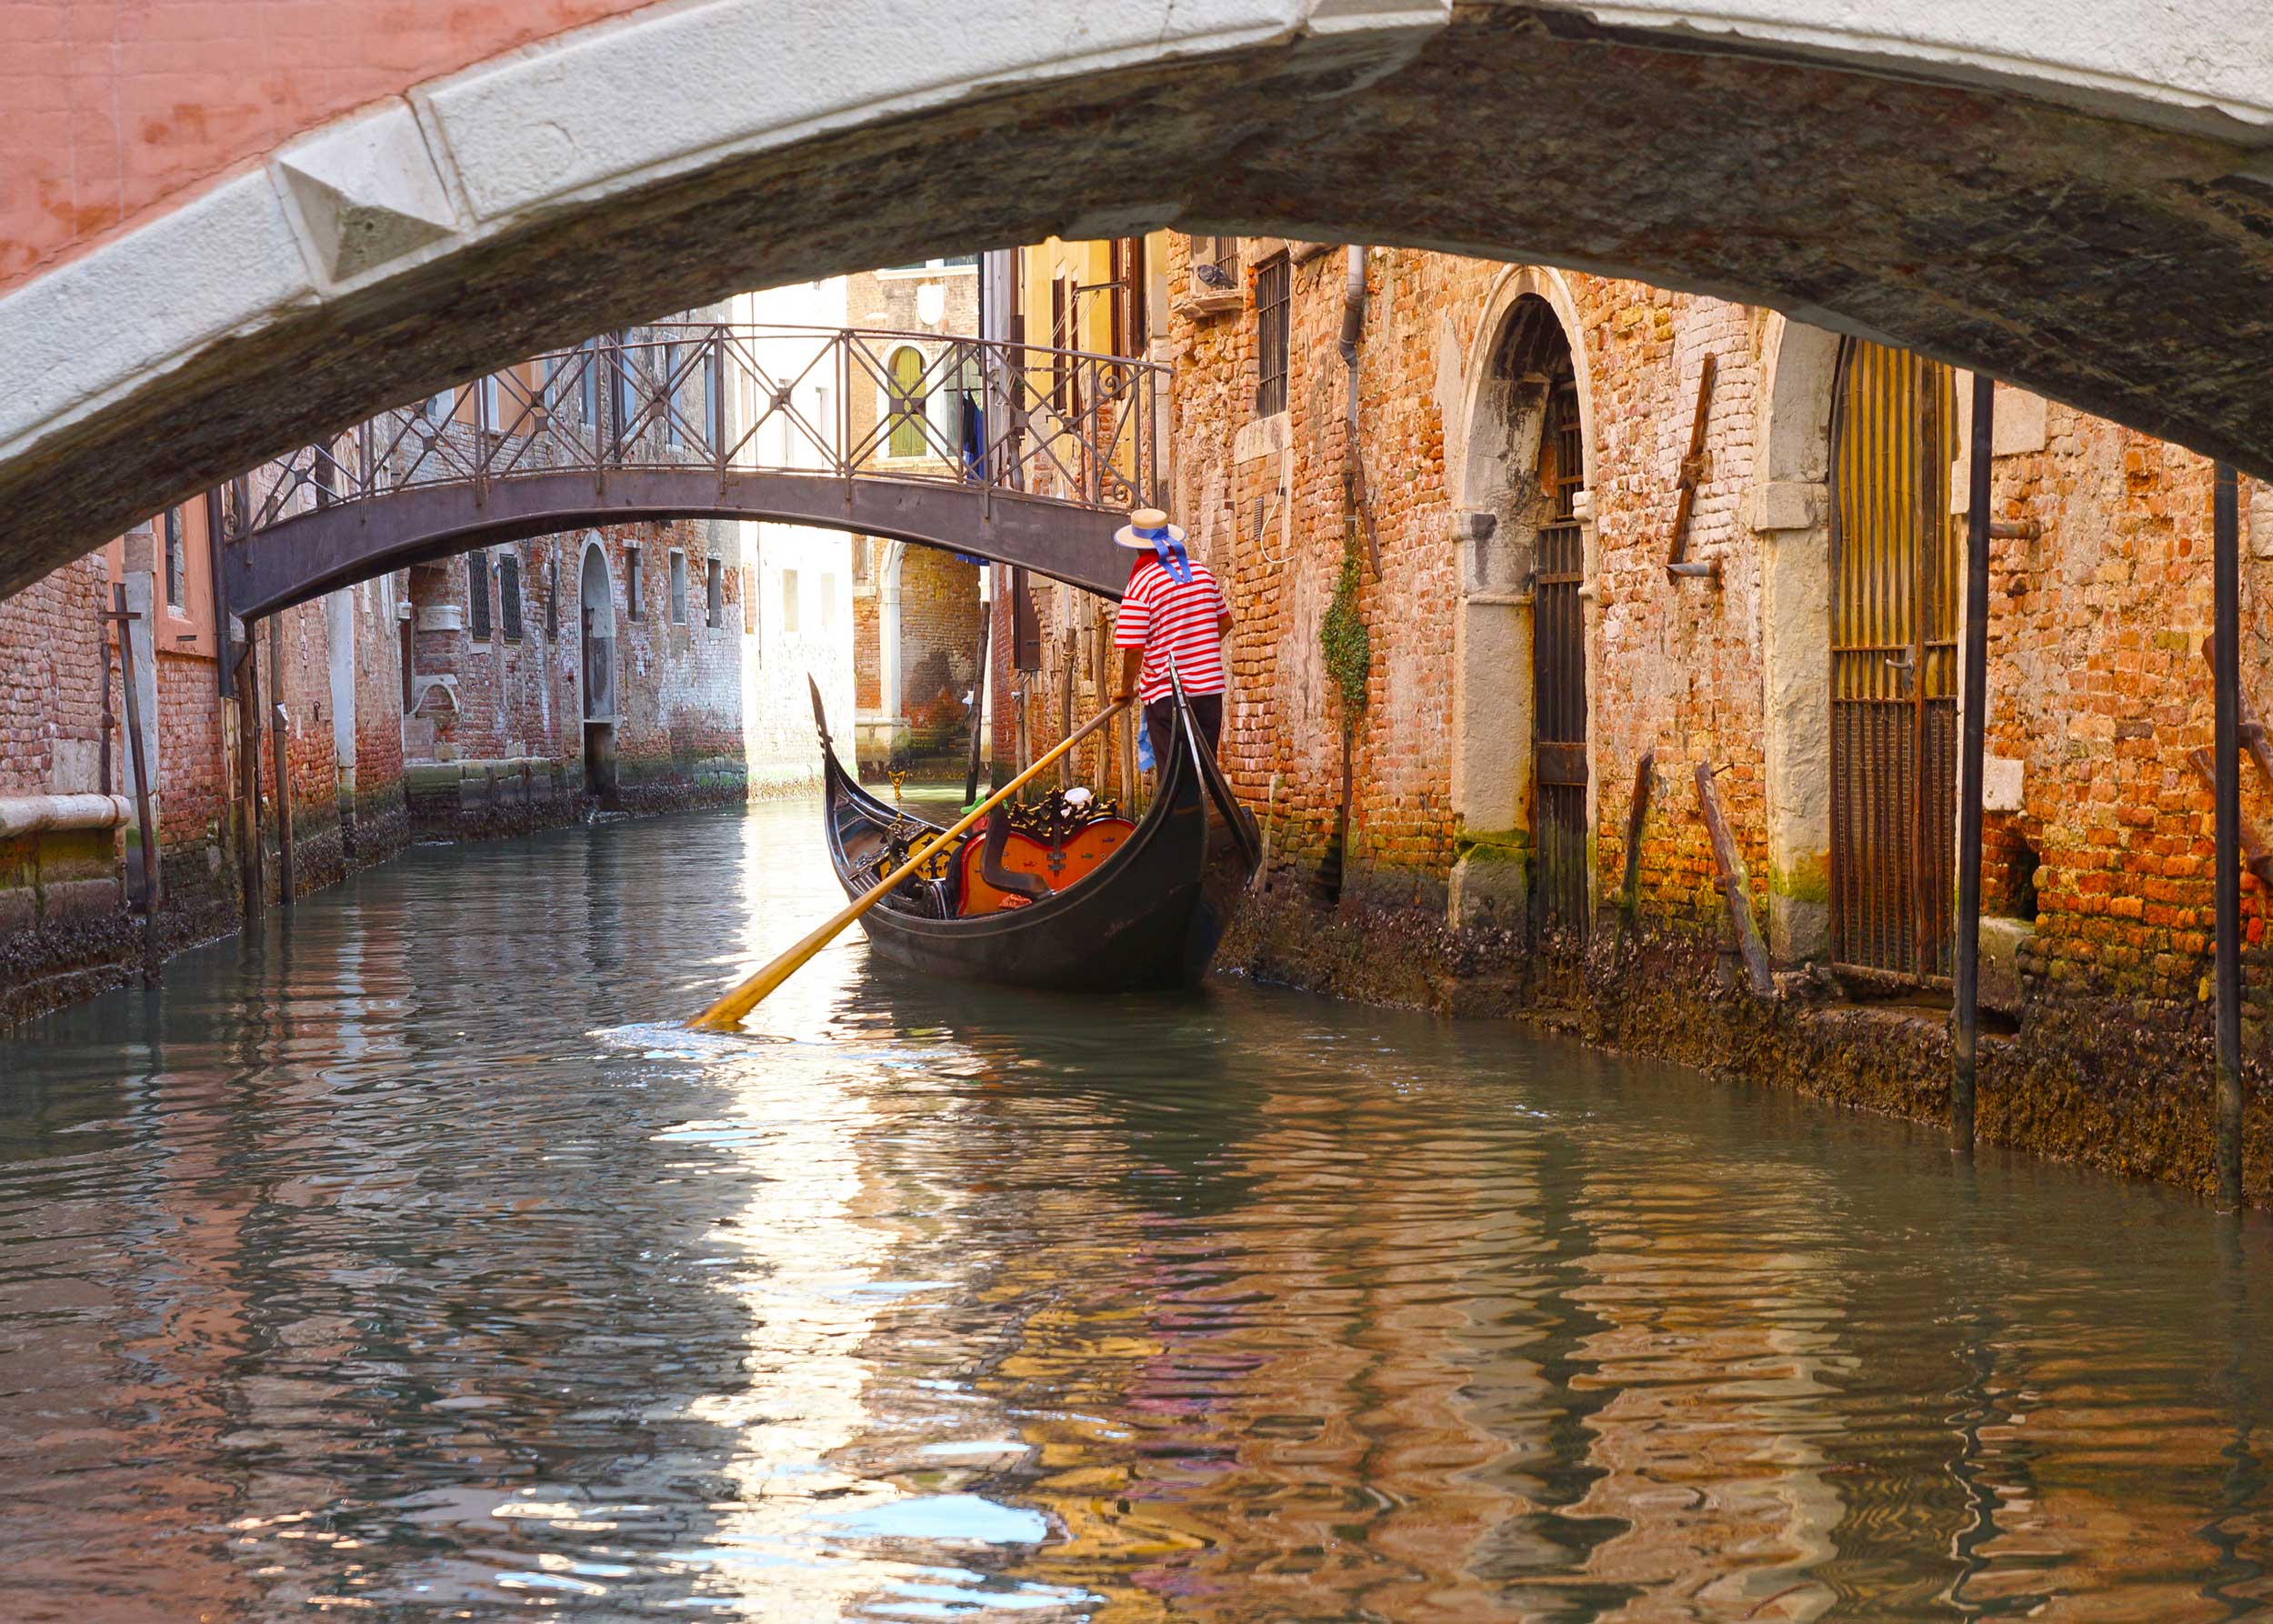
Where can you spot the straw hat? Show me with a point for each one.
(1151, 521)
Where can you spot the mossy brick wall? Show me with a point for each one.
(2097, 685)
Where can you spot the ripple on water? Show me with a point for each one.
(408, 1259)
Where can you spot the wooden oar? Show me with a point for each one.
(728, 1013)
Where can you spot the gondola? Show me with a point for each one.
(1148, 916)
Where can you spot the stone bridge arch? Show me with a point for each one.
(2084, 209)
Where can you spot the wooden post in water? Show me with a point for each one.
(249, 859)
(2226, 764)
(280, 753)
(1972, 728)
(978, 712)
(145, 830)
(1065, 708)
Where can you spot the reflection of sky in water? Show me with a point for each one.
(407, 1262)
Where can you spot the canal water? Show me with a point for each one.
(404, 1262)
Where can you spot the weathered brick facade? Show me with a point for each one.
(2099, 832)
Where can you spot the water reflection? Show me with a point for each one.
(406, 1259)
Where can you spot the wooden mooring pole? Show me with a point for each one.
(248, 771)
(1965, 1013)
(146, 828)
(280, 753)
(2226, 764)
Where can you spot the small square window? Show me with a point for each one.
(679, 588)
(716, 587)
(631, 583)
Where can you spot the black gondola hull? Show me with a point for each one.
(1143, 921)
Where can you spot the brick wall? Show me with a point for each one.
(2098, 691)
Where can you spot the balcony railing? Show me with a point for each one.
(847, 403)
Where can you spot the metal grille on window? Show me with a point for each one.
(509, 595)
(1274, 282)
(1559, 671)
(716, 592)
(1894, 662)
(477, 596)
(176, 570)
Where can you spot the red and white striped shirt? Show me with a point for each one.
(1158, 615)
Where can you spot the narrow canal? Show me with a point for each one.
(403, 1263)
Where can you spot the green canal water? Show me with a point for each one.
(404, 1262)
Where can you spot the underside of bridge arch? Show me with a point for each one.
(325, 548)
(2117, 258)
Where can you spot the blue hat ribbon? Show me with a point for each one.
(1168, 550)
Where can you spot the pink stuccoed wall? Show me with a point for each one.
(116, 109)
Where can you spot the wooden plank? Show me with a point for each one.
(1636, 814)
(2256, 857)
(1692, 468)
(2253, 736)
(1735, 884)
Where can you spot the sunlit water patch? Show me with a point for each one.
(409, 1260)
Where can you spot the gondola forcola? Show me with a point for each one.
(1127, 907)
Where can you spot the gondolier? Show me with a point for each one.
(1173, 609)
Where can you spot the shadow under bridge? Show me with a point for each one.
(1008, 452)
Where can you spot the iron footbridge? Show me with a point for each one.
(1009, 452)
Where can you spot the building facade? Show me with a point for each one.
(1502, 542)
(630, 667)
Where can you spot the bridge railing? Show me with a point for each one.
(844, 402)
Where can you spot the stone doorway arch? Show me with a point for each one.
(596, 628)
(1527, 364)
(1790, 509)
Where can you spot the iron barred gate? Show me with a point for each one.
(1894, 664)
(1559, 890)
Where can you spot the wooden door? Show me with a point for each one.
(1894, 662)
(1559, 890)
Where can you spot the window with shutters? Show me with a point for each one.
(509, 595)
(633, 601)
(1273, 283)
(908, 402)
(679, 588)
(714, 588)
(477, 596)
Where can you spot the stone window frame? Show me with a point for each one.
(1274, 332)
(1492, 698)
(676, 577)
(509, 595)
(714, 591)
(173, 559)
(477, 619)
(635, 602)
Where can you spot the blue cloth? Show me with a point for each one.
(1170, 551)
(1145, 762)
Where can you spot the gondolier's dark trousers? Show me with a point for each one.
(1160, 722)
